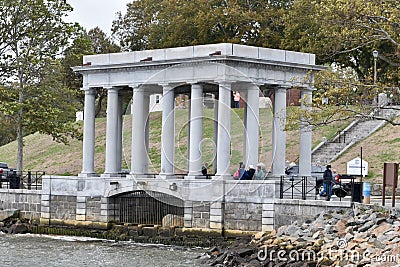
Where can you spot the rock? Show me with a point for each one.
(259, 235)
(9, 214)
(171, 220)
(341, 227)
(381, 229)
(19, 228)
(366, 226)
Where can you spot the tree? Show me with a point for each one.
(33, 36)
(150, 24)
(346, 32)
(93, 42)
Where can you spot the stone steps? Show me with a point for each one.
(362, 128)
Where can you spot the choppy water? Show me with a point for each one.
(41, 250)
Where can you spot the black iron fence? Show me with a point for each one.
(31, 180)
(141, 207)
(305, 187)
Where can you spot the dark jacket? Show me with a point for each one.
(328, 175)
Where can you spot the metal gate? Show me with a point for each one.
(141, 207)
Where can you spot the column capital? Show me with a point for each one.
(89, 90)
(224, 82)
(282, 88)
(167, 87)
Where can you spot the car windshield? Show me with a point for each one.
(3, 165)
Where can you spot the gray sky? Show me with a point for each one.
(92, 13)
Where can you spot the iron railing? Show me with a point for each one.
(305, 187)
(31, 180)
(149, 208)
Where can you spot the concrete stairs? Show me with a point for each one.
(329, 150)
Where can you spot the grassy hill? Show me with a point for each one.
(42, 153)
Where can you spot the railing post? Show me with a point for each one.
(281, 188)
(303, 187)
(29, 180)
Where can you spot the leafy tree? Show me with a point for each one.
(32, 37)
(93, 42)
(347, 32)
(150, 24)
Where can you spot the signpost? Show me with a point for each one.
(390, 177)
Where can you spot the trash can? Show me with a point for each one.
(367, 192)
(14, 180)
(356, 192)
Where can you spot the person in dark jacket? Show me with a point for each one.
(327, 183)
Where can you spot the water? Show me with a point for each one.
(42, 250)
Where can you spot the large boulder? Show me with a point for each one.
(5, 215)
(171, 220)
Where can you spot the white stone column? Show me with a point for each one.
(214, 169)
(279, 134)
(224, 128)
(188, 131)
(243, 95)
(305, 135)
(146, 118)
(168, 131)
(111, 167)
(119, 141)
(196, 129)
(139, 155)
(88, 133)
(252, 125)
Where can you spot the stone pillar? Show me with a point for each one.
(214, 163)
(88, 133)
(305, 135)
(279, 134)
(168, 131)
(139, 155)
(224, 128)
(252, 126)
(188, 131)
(119, 141)
(146, 118)
(111, 167)
(196, 130)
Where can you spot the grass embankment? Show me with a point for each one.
(41, 153)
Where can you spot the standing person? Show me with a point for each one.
(259, 175)
(239, 173)
(204, 169)
(236, 99)
(251, 172)
(327, 183)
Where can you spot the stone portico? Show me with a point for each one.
(218, 69)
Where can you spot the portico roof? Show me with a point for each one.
(203, 63)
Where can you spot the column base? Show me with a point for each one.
(110, 175)
(223, 177)
(166, 176)
(194, 177)
(87, 174)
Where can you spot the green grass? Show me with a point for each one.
(41, 153)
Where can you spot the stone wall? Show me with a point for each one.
(63, 207)
(201, 215)
(243, 216)
(27, 201)
(288, 211)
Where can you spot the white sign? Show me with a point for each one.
(354, 167)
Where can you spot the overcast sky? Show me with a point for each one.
(92, 13)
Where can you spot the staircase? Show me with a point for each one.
(328, 151)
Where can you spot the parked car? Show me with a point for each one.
(5, 171)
